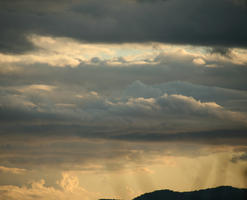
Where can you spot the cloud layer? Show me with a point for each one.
(111, 21)
(121, 97)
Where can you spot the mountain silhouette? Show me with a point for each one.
(218, 193)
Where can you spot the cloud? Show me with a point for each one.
(215, 137)
(222, 51)
(199, 61)
(68, 182)
(242, 157)
(12, 170)
(55, 114)
(161, 102)
(139, 89)
(55, 126)
(118, 66)
(167, 108)
(117, 86)
(138, 102)
(40, 191)
(199, 92)
(122, 21)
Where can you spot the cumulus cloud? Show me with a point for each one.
(160, 102)
(40, 191)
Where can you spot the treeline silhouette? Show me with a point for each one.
(218, 193)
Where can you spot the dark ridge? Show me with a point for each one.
(218, 193)
(109, 199)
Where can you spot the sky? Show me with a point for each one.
(115, 98)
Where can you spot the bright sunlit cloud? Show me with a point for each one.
(61, 52)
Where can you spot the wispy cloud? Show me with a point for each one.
(12, 170)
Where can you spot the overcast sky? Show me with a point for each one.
(114, 98)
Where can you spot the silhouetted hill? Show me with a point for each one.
(108, 199)
(219, 193)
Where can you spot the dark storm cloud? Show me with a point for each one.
(215, 137)
(196, 22)
(61, 146)
(234, 137)
(17, 114)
